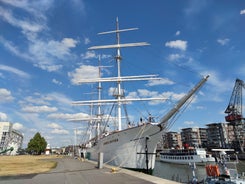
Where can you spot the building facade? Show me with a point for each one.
(172, 140)
(10, 138)
(203, 137)
(219, 135)
(191, 137)
(216, 135)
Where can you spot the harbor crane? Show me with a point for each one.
(235, 117)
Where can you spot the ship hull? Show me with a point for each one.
(185, 160)
(133, 148)
(185, 156)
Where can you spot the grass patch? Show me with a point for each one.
(26, 164)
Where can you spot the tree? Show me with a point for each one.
(37, 144)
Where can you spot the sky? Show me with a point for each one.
(44, 54)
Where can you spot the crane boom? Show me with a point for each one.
(234, 108)
(235, 118)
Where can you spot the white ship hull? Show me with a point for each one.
(188, 159)
(127, 148)
(197, 156)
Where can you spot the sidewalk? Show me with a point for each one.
(74, 171)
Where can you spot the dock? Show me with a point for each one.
(76, 171)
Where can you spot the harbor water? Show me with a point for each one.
(183, 173)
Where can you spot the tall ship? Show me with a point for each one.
(132, 147)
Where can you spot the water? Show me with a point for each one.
(176, 172)
(183, 173)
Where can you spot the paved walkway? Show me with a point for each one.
(73, 171)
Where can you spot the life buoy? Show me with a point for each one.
(212, 170)
(208, 170)
(215, 170)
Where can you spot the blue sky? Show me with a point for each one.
(43, 46)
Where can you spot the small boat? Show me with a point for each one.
(224, 171)
(198, 156)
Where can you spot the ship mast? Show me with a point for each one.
(99, 115)
(119, 95)
(119, 78)
(98, 103)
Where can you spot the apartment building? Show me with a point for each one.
(216, 135)
(191, 137)
(10, 137)
(219, 135)
(172, 140)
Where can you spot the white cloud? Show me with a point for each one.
(242, 12)
(84, 72)
(147, 93)
(144, 93)
(37, 99)
(69, 42)
(56, 82)
(59, 131)
(5, 95)
(177, 33)
(79, 132)
(3, 116)
(161, 81)
(78, 5)
(24, 25)
(67, 116)
(111, 91)
(12, 48)
(38, 109)
(132, 95)
(224, 41)
(217, 85)
(200, 107)
(44, 54)
(36, 8)
(18, 126)
(86, 41)
(216, 80)
(174, 57)
(15, 71)
(177, 44)
(176, 96)
(59, 98)
(189, 122)
(195, 7)
(88, 55)
(42, 100)
(54, 125)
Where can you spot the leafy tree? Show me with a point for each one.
(37, 144)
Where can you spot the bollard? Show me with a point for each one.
(100, 160)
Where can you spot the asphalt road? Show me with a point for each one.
(73, 171)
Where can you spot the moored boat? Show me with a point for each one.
(199, 156)
(224, 171)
